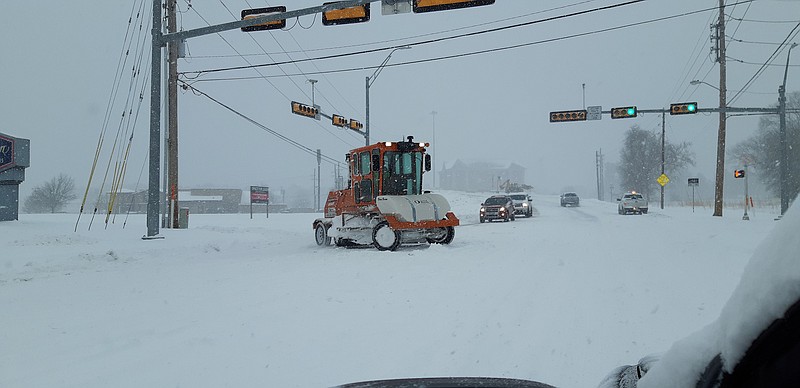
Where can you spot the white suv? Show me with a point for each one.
(523, 204)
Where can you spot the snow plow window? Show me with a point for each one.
(363, 191)
(402, 173)
(365, 163)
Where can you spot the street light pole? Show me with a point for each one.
(783, 144)
(433, 160)
(369, 81)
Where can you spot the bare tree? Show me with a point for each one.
(762, 151)
(640, 159)
(51, 196)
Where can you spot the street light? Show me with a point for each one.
(698, 82)
(371, 79)
(784, 155)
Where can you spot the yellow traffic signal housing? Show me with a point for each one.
(338, 121)
(683, 108)
(568, 115)
(255, 12)
(356, 125)
(304, 110)
(442, 5)
(623, 113)
(357, 14)
(738, 173)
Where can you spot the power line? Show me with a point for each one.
(764, 66)
(764, 21)
(286, 139)
(471, 53)
(408, 37)
(538, 21)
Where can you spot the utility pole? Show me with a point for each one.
(433, 156)
(663, 143)
(746, 194)
(172, 118)
(784, 164)
(319, 162)
(720, 178)
(597, 172)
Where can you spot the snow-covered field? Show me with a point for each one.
(562, 298)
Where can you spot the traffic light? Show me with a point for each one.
(442, 5)
(255, 12)
(356, 125)
(738, 174)
(568, 115)
(683, 108)
(304, 110)
(357, 14)
(338, 121)
(623, 113)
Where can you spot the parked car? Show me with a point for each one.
(570, 199)
(523, 204)
(497, 207)
(632, 203)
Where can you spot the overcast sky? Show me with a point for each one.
(59, 62)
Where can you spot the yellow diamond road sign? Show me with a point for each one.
(663, 180)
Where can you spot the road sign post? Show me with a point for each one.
(693, 182)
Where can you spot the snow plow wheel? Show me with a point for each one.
(447, 236)
(384, 237)
(321, 235)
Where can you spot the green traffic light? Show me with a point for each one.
(691, 107)
(631, 111)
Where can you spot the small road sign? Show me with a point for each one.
(694, 181)
(594, 112)
(663, 180)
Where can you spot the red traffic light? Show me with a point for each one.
(738, 174)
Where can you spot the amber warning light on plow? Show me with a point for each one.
(568, 115)
(738, 173)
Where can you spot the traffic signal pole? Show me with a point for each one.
(160, 40)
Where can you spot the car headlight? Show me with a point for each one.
(502, 209)
(483, 209)
(524, 205)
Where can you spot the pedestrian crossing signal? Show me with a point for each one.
(683, 108)
(738, 174)
(568, 115)
(304, 110)
(623, 113)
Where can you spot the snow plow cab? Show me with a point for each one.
(384, 204)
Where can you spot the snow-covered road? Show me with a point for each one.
(562, 298)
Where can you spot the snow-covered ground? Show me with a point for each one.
(562, 298)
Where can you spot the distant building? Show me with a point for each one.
(199, 201)
(479, 175)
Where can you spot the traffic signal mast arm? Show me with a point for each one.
(178, 36)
